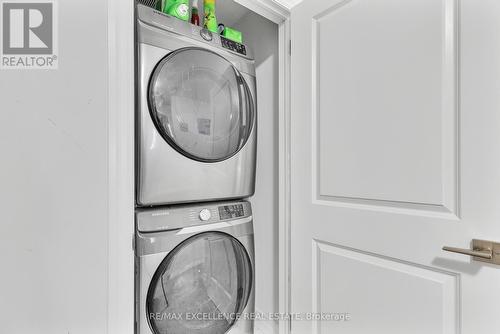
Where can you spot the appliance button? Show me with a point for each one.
(206, 34)
(205, 215)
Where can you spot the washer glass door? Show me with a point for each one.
(200, 104)
(200, 287)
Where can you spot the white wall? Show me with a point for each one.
(262, 36)
(53, 179)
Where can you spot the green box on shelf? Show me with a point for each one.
(233, 34)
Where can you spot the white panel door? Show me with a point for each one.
(395, 153)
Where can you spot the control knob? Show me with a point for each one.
(206, 34)
(205, 215)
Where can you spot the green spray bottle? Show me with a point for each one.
(210, 21)
(177, 8)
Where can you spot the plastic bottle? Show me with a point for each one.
(159, 5)
(210, 21)
(220, 28)
(178, 8)
(162, 5)
(195, 18)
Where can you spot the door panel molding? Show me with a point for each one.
(426, 285)
(444, 198)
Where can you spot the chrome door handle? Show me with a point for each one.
(482, 250)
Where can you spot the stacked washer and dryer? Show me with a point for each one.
(195, 163)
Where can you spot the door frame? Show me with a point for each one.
(121, 159)
(121, 166)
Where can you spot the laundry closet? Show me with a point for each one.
(206, 168)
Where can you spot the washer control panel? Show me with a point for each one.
(231, 211)
(233, 46)
(180, 216)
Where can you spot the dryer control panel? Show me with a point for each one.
(149, 19)
(233, 46)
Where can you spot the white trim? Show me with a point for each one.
(270, 9)
(284, 174)
(120, 167)
(288, 3)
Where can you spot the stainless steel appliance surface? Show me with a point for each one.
(195, 269)
(196, 113)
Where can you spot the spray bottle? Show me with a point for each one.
(210, 22)
(177, 8)
(195, 18)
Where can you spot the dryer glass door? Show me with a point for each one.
(200, 104)
(200, 287)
